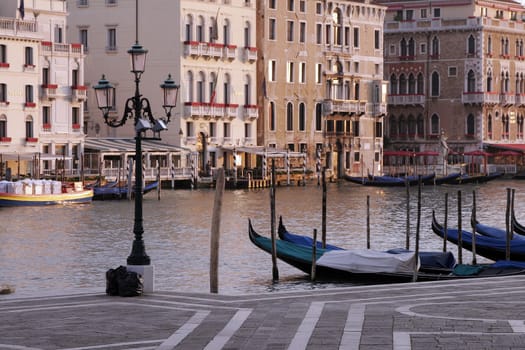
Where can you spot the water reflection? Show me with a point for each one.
(57, 248)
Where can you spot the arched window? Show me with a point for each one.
(226, 89)
(29, 126)
(489, 81)
(411, 48)
(201, 80)
(420, 84)
(471, 81)
(435, 46)
(420, 126)
(403, 89)
(247, 90)
(289, 116)
(190, 87)
(489, 127)
(435, 84)
(3, 125)
(188, 28)
(200, 30)
(392, 126)
(356, 91)
(506, 83)
(411, 84)
(404, 49)
(318, 117)
(520, 127)
(393, 84)
(434, 124)
(471, 125)
(302, 117)
(226, 32)
(471, 46)
(411, 126)
(247, 34)
(402, 127)
(337, 24)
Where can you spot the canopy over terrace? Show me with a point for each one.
(105, 156)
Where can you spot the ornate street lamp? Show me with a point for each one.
(138, 108)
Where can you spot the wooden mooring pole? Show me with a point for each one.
(314, 255)
(418, 225)
(445, 224)
(215, 232)
(323, 211)
(460, 233)
(275, 271)
(407, 239)
(368, 222)
(473, 222)
(507, 227)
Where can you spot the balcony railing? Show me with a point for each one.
(213, 110)
(79, 92)
(251, 112)
(480, 97)
(5, 139)
(406, 99)
(74, 50)
(209, 50)
(507, 99)
(250, 54)
(49, 91)
(349, 107)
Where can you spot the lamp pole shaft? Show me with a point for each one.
(138, 254)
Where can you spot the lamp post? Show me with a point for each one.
(138, 108)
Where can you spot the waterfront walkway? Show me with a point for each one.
(466, 314)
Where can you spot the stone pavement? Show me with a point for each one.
(464, 314)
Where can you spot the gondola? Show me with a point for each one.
(473, 179)
(494, 232)
(488, 247)
(119, 192)
(442, 179)
(366, 266)
(429, 261)
(388, 181)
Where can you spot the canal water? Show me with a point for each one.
(64, 248)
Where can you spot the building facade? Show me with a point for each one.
(321, 75)
(456, 72)
(208, 47)
(41, 90)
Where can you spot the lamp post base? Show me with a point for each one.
(147, 272)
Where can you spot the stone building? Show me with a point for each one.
(321, 75)
(457, 73)
(208, 47)
(41, 90)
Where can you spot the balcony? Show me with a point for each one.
(58, 49)
(348, 107)
(230, 52)
(5, 139)
(205, 110)
(251, 112)
(49, 91)
(404, 99)
(78, 93)
(46, 127)
(29, 67)
(214, 50)
(507, 99)
(4, 104)
(378, 109)
(250, 54)
(76, 127)
(4, 65)
(480, 97)
(30, 105)
(520, 100)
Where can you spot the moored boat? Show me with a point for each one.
(114, 191)
(371, 266)
(41, 193)
(488, 247)
(389, 181)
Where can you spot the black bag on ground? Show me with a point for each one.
(130, 284)
(125, 283)
(112, 276)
